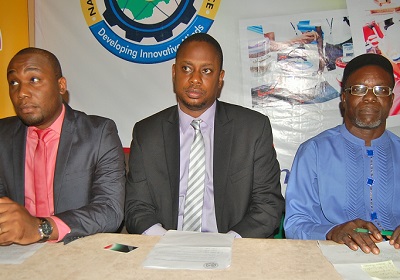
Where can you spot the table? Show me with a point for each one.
(85, 258)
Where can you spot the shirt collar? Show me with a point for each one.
(207, 118)
(56, 126)
(352, 138)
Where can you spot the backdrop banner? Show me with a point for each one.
(292, 67)
(283, 62)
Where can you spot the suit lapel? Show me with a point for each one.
(223, 136)
(19, 147)
(64, 149)
(170, 130)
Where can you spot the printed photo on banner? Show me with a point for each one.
(292, 70)
(376, 27)
(296, 60)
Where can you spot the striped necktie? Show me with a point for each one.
(195, 190)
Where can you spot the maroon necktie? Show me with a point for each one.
(39, 174)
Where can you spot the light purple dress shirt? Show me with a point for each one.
(208, 220)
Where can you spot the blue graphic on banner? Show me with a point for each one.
(146, 54)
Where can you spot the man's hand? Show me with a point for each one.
(395, 238)
(345, 234)
(16, 224)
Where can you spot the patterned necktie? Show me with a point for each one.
(195, 189)
(39, 174)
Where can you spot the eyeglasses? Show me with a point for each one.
(361, 90)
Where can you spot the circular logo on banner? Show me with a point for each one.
(147, 31)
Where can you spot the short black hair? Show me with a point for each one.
(203, 37)
(364, 60)
(53, 60)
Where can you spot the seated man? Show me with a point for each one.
(203, 165)
(62, 172)
(346, 177)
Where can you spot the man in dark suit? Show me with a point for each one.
(83, 164)
(240, 190)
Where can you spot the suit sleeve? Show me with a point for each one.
(2, 189)
(266, 202)
(140, 211)
(106, 187)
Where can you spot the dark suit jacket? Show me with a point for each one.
(89, 179)
(247, 192)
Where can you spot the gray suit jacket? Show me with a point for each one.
(89, 176)
(247, 192)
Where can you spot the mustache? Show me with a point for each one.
(369, 109)
(194, 89)
(27, 105)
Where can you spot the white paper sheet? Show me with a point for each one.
(191, 250)
(354, 265)
(17, 254)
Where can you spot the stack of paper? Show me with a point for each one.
(191, 250)
(354, 265)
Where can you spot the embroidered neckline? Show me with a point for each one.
(370, 184)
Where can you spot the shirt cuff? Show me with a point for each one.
(156, 229)
(62, 227)
(234, 233)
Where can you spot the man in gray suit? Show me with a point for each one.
(82, 167)
(240, 193)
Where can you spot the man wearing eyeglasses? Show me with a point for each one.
(344, 184)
